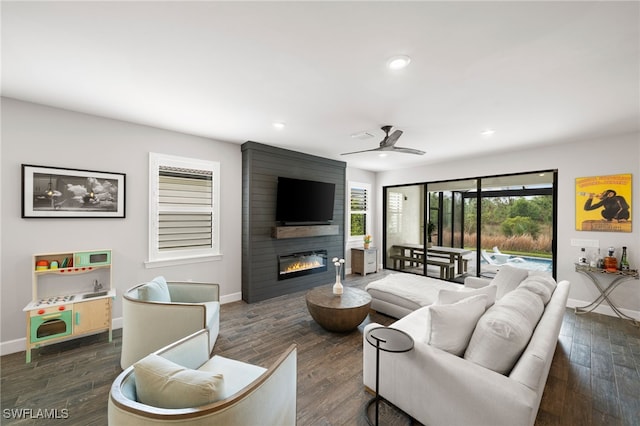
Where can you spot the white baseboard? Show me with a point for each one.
(13, 346)
(604, 309)
(20, 345)
(233, 297)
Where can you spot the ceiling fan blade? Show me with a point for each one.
(408, 150)
(391, 139)
(358, 152)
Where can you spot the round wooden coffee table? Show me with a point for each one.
(338, 313)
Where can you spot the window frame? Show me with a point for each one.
(367, 212)
(157, 258)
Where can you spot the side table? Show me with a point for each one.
(388, 340)
(364, 260)
(594, 274)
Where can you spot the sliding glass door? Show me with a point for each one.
(470, 227)
(517, 222)
(404, 227)
(448, 256)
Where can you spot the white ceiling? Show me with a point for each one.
(536, 72)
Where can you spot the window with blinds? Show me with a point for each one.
(184, 216)
(179, 190)
(359, 205)
(394, 212)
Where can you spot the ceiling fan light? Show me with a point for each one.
(398, 62)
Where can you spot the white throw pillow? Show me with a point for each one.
(507, 279)
(165, 384)
(447, 297)
(449, 327)
(538, 288)
(543, 278)
(503, 332)
(156, 290)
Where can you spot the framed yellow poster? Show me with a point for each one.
(603, 203)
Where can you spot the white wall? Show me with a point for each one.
(361, 176)
(612, 155)
(34, 134)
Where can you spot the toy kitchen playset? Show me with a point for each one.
(71, 297)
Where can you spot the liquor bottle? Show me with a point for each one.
(600, 261)
(610, 262)
(582, 260)
(593, 259)
(624, 263)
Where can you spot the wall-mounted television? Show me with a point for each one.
(304, 201)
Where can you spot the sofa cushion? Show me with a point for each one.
(507, 279)
(417, 290)
(155, 290)
(544, 278)
(449, 327)
(538, 288)
(447, 297)
(237, 374)
(165, 384)
(503, 332)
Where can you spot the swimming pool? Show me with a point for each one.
(528, 262)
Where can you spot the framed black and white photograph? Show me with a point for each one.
(50, 192)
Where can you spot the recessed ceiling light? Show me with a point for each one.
(398, 62)
(279, 125)
(487, 132)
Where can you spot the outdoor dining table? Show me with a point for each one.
(456, 255)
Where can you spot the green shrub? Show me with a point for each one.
(520, 225)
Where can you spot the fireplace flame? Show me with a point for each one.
(300, 266)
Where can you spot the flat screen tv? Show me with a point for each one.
(304, 201)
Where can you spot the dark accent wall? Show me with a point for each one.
(261, 166)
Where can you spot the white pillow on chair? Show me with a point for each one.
(164, 384)
(155, 290)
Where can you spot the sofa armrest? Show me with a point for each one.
(428, 384)
(193, 292)
(476, 282)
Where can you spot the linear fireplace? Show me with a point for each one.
(298, 264)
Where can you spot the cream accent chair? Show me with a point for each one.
(150, 325)
(253, 395)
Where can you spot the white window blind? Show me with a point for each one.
(394, 212)
(185, 189)
(359, 206)
(184, 208)
(358, 200)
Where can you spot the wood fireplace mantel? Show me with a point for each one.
(282, 232)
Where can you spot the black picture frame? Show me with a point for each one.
(57, 192)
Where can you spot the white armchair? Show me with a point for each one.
(252, 395)
(159, 312)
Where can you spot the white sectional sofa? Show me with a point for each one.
(471, 366)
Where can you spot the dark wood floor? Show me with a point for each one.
(594, 378)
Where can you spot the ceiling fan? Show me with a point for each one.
(389, 144)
